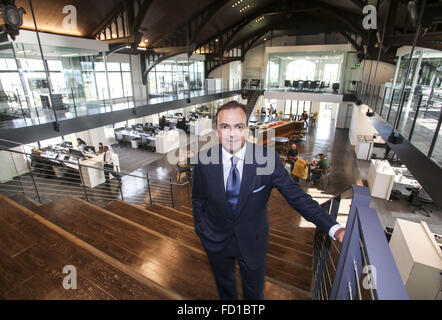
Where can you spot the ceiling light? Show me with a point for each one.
(142, 48)
(244, 8)
(265, 39)
(236, 3)
(146, 40)
(259, 19)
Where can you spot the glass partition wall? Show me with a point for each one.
(286, 70)
(176, 75)
(416, 111)
(78, 80)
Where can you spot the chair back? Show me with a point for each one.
(119, 136)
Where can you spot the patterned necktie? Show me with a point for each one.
(233, 185)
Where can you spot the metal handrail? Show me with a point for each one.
(364, 249)
(157, 189)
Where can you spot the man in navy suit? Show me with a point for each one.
(230, 190)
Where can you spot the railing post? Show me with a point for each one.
(104, 100)
(382, 105)
(148, 188)
(21, 107)
(322, 247)
(119, 183)
(377, 99)
(73, 99)
(415, 118)
(391, 104)
(32, 177)
(361, 197)
(82, 180)
(171, 192)
(18, 175)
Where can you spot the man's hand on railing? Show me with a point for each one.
(339, 235)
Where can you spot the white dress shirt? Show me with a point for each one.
(108, 157)
(227, 164)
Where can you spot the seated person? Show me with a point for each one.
(100, 148)
(80, 143)
(322, 163)
(162, 122)
(304, 115)
(292, 156)
(181, 124)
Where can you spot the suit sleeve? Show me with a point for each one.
(199, 198)
(298, 199)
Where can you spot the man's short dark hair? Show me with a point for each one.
(232, 105)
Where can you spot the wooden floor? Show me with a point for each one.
(153, 251)
(124, 251)
(34, 252)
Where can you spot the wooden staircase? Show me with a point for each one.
(252, 98)
(125, 251)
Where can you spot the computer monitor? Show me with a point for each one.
(287, 83)
(90, 148)
(76, 153)
(296, 84)
(306, 84)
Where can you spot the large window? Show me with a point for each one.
(176, 75)
(331, 71)
(119, 80)
(301, 70)
(285, 67)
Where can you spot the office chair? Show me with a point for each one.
(335, 87)
(418, 202)
(296, 85)
(119, 137)
(287, 84)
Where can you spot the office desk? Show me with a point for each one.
(200, 127)
(167, 141)
(380, 179)
(91, 169)
(134, 137)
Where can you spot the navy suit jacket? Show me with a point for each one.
(215, 222)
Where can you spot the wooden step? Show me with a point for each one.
(25, 201)
(289, 267)
(155, 257)
(305, 249)
(302, 239)
(33, 253)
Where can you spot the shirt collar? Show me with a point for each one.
(239, 154)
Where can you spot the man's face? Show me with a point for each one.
(232, 129)
(294, 146)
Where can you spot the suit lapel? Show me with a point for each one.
(218, 180)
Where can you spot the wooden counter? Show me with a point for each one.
(282, 128)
